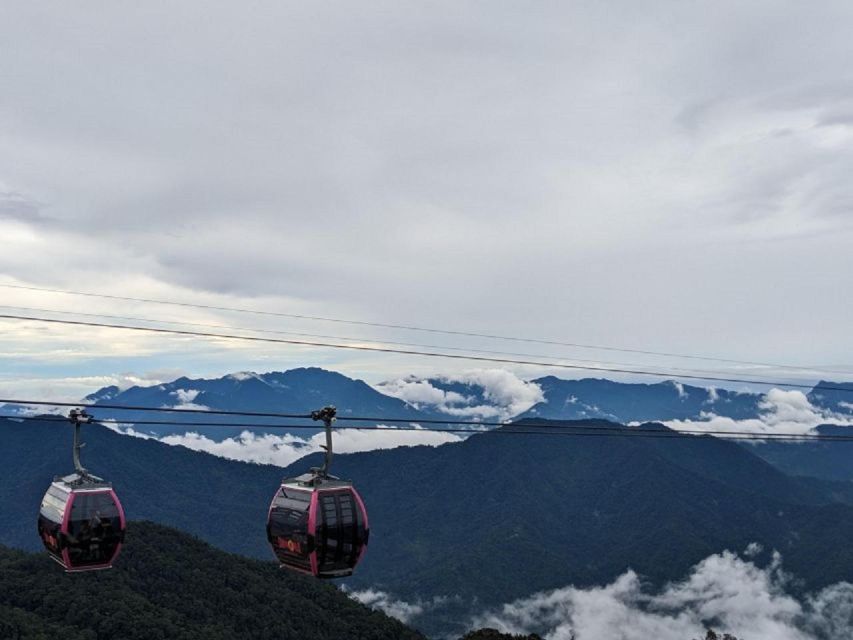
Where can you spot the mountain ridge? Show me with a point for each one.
(296, 391)
(475, 397)
(523, 513)
(302, 389)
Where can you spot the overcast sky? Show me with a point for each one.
(671, 176)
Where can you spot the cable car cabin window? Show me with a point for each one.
(341, 534)
(50, 519)
(94, 529)
(53, 505)
(288, 527)
(289, 513)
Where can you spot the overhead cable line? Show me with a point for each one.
(526, 422)
(470, 334)
(412, 352)
(522, 429)
(256, 414)
(355, 339)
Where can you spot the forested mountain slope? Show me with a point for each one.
(826, 460)
(169, 585)
(543, 511)
(222, 501)
(521, 513)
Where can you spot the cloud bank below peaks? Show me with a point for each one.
(725, 591)
(782, 412)
(404, 611)
(282, 450)
(479, 394)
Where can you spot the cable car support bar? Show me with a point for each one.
(328, 415)
(79, 417)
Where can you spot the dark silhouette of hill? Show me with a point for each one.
(541, 512)
(838, 397)
(168, 584)
(721, 460)
(493, 518)
(221, 501)
(825, 460)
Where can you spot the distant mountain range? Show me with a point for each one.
(487, 395)
(625, 403)
(489, 519)
(293, 391)
(300, 391)
(595, 398)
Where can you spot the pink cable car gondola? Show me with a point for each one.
(81, 521)
(317, 524)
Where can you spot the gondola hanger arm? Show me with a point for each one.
(327, 415)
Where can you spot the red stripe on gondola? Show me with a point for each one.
(66, 517)
(366, 522)
(312, 531)
(122, 525)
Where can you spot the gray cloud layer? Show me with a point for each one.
(620, 173)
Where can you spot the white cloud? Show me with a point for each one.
(284, 449)
(185, 399)
(126, 429)
(506, 389)
(789, 406)
(74, 388)
(831, 612)
(782, 412)
(403, 611)
(400, 609)
(506, 394)
(731, 594)
(420, 393)
(680, 388)
(240, 376)
(32, 410)
(186, 395)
